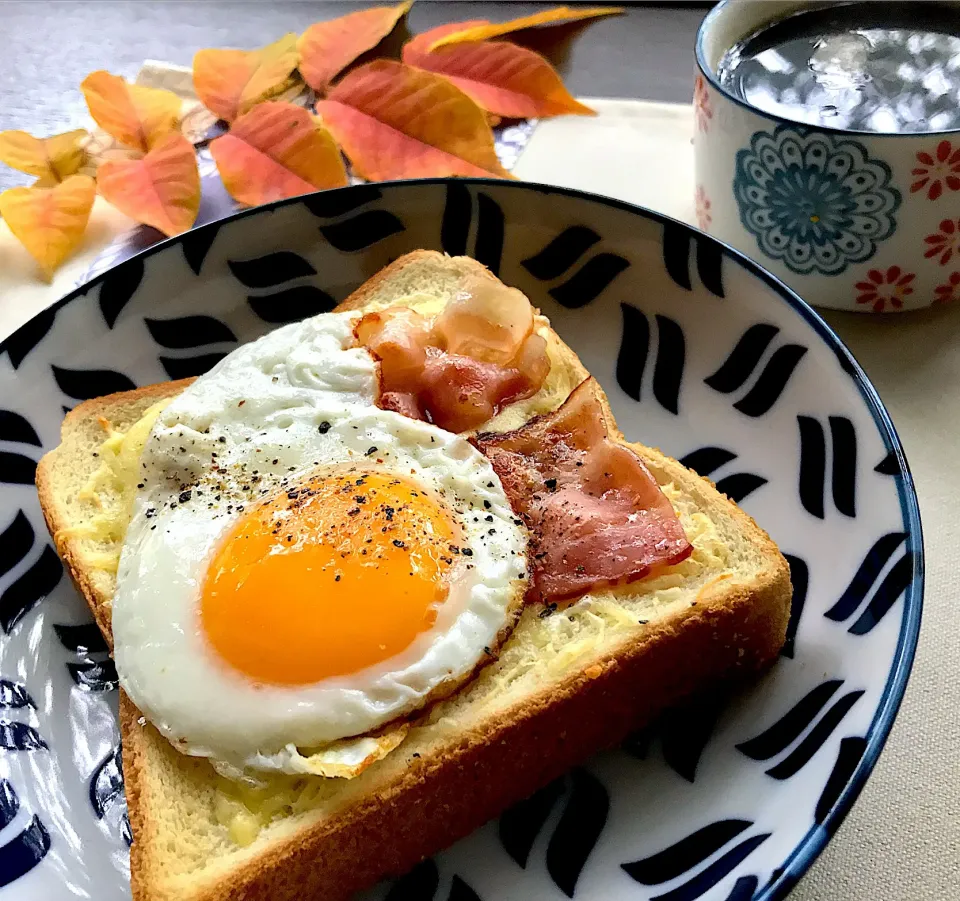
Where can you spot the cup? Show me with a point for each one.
(851, 220)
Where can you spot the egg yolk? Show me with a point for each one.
(334, 575)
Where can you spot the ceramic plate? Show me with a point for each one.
(701, 353)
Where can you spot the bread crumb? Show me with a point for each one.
(593, 672)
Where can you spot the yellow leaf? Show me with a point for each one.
(51, 159)
(162, 189)
(558, 16)
(133, 114)
(230, 82)
(49, 222)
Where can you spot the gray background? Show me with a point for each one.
(50, 46)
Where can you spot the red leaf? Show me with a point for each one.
(501, 77)
(274, 151)
(161, 189)
(327, 48)
(393, 121)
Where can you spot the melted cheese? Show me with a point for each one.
(110, 491)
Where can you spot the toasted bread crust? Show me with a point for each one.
(371, 287)
(732, 630)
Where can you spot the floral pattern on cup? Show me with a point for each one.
(942, 167)
(702, 202)
(814, 201)
(944, 243)
(949, 291)
(882, 288)
(701, 104)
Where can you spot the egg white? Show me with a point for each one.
(291, 404)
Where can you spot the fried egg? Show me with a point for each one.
(303, 567)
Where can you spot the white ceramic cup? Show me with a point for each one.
(850, 220)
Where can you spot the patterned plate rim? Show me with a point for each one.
(799, 860)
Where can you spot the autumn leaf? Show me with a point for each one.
(394, 121)
(230, 82)
(135, 115)
(51, 159)
(483, 31)
(50, 222)
(161, 189)
(274, 151)
(501, 77)
(327, 48)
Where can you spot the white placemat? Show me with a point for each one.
(901, 842)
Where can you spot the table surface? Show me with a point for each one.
(646, 53)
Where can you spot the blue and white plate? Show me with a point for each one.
(701, 353)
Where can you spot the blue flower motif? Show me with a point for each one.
(814, 201)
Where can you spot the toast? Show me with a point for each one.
(564, 685)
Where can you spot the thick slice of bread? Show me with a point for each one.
(564, 686)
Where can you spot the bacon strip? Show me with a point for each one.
(596, 516)
(458, 371)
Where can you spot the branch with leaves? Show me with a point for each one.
(426, 115)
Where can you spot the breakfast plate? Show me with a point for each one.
(701, 353)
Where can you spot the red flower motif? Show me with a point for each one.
(885, 287)
(950, 291)
(701, 104)
(703, 209)
(945, 242)
(941, 167)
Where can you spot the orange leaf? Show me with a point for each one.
(161, 189)
(501, 77)
(277, 150)
(133, 114)
(49, 222)
(51, 159)
(230, 82)
(394, 121)
(327, 48)
(562, 14)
